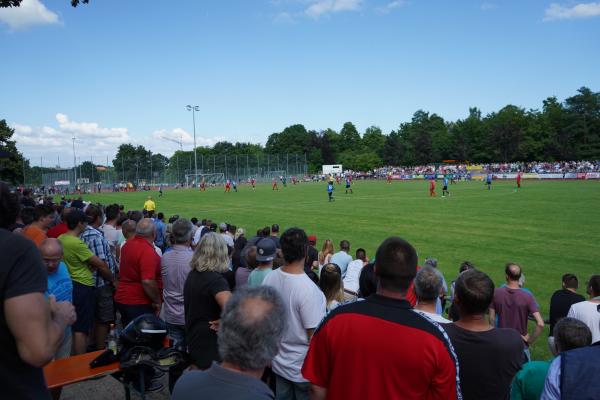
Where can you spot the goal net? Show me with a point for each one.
(275, 174)
(194, 180)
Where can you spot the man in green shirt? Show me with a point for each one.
(81, 263)
(569, 334)
(265, 254)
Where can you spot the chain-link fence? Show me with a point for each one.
(133, 172)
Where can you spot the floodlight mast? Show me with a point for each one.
(194, 109)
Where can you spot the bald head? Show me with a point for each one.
(513, 272)
(52, 252)
(128, 228)
(146, 228)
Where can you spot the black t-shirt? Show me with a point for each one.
(21, 272)
(560, 303)
(488, 360)
(201, 307)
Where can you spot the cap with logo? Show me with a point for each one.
(265, 250)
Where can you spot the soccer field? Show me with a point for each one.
(548, 227)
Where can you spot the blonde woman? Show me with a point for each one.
(325, 253)
(205, 293)
(331, 285)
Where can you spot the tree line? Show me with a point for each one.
(559, 131)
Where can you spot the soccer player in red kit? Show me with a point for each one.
(253, 183)
(389, 178)
(227, 186)
(203, 186)
(518, 180)
(432, 188)
(275, 184)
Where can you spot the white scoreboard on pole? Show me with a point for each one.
(335, 169)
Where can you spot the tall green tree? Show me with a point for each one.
(349, 137)
(584, 121)
(12, 162)
(374, 139)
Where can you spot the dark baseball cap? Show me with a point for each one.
(265, 250)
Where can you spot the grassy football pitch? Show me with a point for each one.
(548, 227)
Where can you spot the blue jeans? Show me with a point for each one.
(288, 390)
(177, 334)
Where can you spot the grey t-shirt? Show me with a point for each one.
(219, 383)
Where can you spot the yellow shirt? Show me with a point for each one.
(149, 205)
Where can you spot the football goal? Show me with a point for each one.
(194, 180)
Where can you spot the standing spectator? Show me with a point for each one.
(275, 235)
(367, 283)
(109, 230)
(61, 227)
(351, 280)
(428, 286)
(175, 268)
(588, 312)
(342, 258)
(31, 327)
(330, 283)
(252, 324)
(382, 341)
(489, 357)
(204, 227)
(453, 309)
(140, 285)
(441, 304)
(225, 234)
(104, 309)
(205, 294)
(326, 253)
(561, 302)
(59, 285)
(529, 382)
(127, 232)
(513, 306)
(305, 305)
(161, 231)
(265, 251)
(43, 215)
(312, 255)
(573, 374)
(82, 263)
(239, 243)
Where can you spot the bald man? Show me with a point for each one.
(140, 286)
(513, 307)
(59, 285)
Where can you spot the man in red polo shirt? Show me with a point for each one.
(140, 283)
(379, 348)
(61, 227)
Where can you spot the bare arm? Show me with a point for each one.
(151, 289)
(317, 392)
(38, 325)
(222, 298)
(539, 328)
(492, 317)
(102, 267)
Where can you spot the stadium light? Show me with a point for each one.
(194, 109)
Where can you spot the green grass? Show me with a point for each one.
(548, 227)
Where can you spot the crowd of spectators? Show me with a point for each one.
(270, 316)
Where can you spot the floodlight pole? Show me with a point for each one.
(74, 163)
(193, 109)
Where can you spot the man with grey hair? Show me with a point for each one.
(570, 334)
(252, 324)
(428, 286)
(175, 267)
(140, 285)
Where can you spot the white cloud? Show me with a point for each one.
(284, 18)
(488, 6)
(322, 7)
(92, 141)
(581, 10)
(30, 13)
(391, 6)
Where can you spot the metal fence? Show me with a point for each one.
(262, 167)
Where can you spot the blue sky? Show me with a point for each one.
(122, 71)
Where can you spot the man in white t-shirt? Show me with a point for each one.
(428, 286)
(351, 280)
(306, 308)
(588, 311)
(198, 234)
(225, 234)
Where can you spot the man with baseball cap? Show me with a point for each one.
(265, 254)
